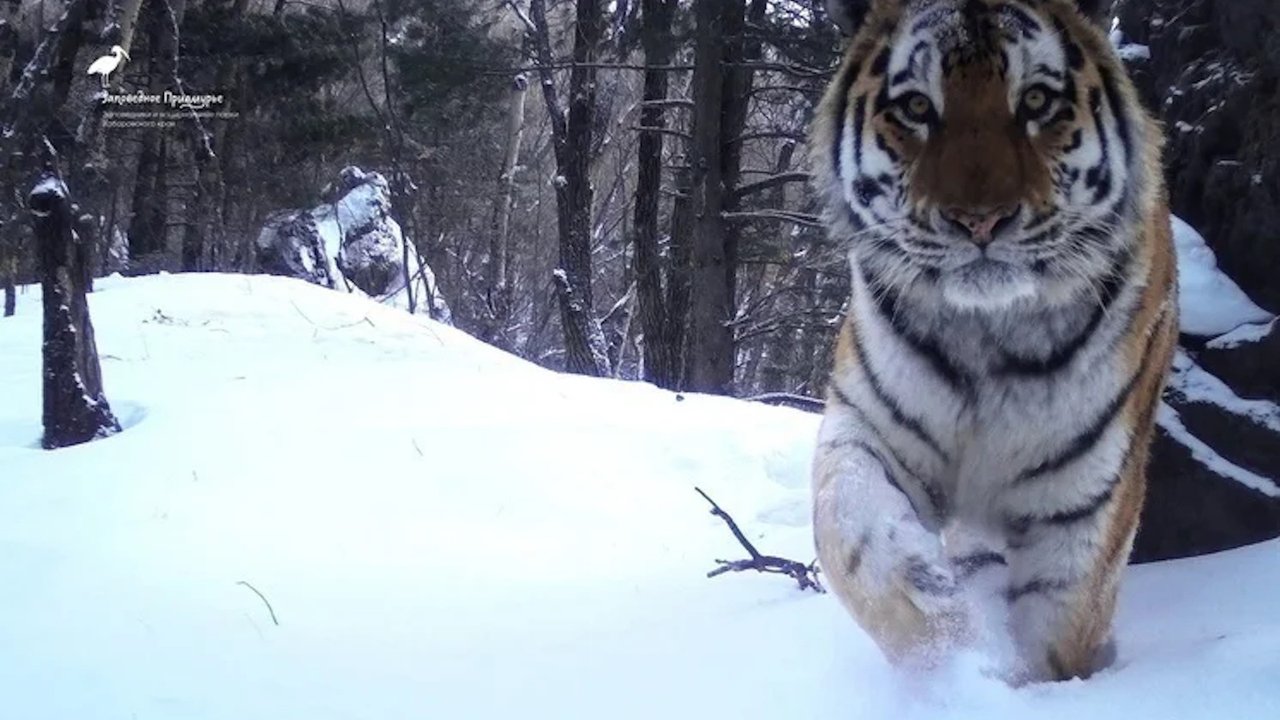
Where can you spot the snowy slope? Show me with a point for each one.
(444, 531)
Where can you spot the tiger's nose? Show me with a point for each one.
(980, 224)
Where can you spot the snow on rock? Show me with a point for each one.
(352, 243)
(1243, 335)
(1210, 303)
(461, 534)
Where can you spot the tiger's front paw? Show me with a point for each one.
(934, 615)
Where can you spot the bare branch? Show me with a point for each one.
(669, 102)
(783, 215)
(524, 18)
(791, 400)
(806, 576)
(663, 131)
(770, 182)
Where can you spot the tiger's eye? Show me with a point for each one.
(918, 107)
(1035, 99)
(1035, 102)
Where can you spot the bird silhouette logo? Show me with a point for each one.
(108, 63)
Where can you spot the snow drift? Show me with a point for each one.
(459, 534)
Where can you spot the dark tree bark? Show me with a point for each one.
(147, 232)
(722, 89)
(10, 292)
(585, 349)
(663, 331)
(75, 409)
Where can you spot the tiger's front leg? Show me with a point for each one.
(886, 566)
(1065, 569)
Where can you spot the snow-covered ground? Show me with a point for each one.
(443, 531)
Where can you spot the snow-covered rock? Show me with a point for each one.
(351, 243)
(1210, 303)
(466, 535)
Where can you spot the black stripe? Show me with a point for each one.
(1027, 25)
(886, 303)
(1049, 72)
(881, 62)
(866, 189)
(936, 498)
(884, 148)
(895, 410)
(859, 123)
(1034, 587)
(1075, 57)
(888, 474)
(1077, 139)
(1114, 284)
(969, 564)
(846, 82)
(1073, 515)
(1098, 177)
(1117, 111)
(908, 72)
(929, 579)
(1085, 441)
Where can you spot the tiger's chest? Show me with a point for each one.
(1000, 394)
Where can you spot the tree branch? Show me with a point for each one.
(770, 182)
(806, 576)
(783, 215)
(663, 131)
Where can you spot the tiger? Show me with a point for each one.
(1011, 323)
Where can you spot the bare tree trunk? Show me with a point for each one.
(147, 232)
(93, 177)
(662, 331)
(721, 89)
(710, 347)
(10, 292)
(499, 261)
(75, 409)
(585, 349)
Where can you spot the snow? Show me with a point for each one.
(1171, 421)
(1194, 384)
(445, 531)
(1242, 335)
(1210, 303)
(357, 230)
(1133, 52)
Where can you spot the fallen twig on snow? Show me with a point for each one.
(806, 576)
(265, 601)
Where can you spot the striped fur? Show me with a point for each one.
(992, 401)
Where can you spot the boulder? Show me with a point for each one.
(1212, 481)
(350, 242)
(1212, 74)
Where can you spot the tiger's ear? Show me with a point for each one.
(1098, 11)
(848, 14)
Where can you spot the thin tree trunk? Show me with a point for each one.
(10, 292)
(662, 331)
(75, 409)
(499, 261)
(585, 349)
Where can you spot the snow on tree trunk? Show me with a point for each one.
(75, 409)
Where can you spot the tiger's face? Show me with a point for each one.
(982, 148)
